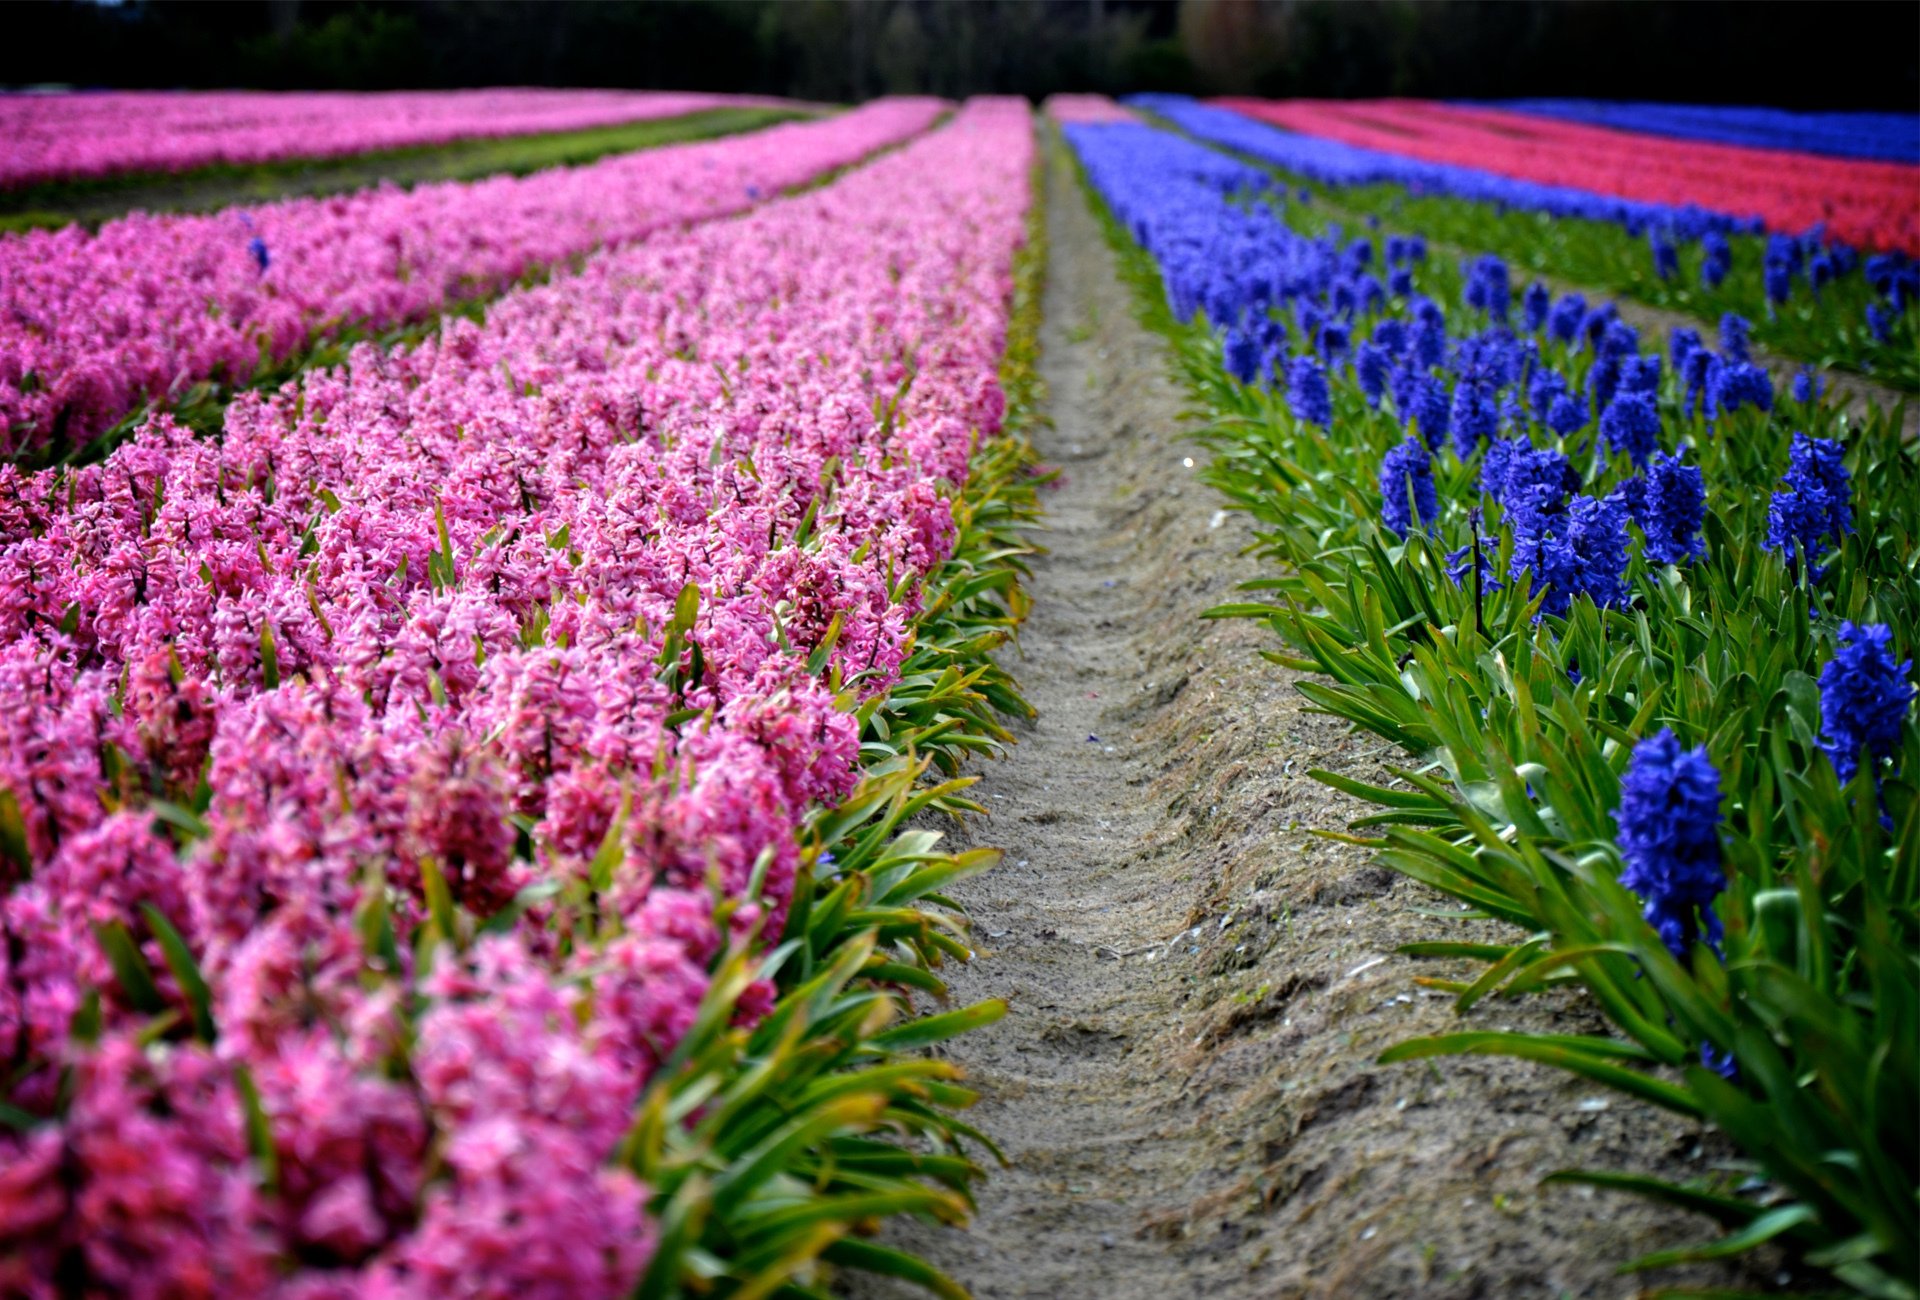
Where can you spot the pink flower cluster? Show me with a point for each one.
(430, 616)
(1867, 204)
(91, 325)
(1087, 108)
(87, 136)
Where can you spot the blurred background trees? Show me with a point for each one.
(1834, 54)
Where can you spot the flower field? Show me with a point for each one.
(150, 305)
(1641, 626)
(87, 137)
(1809, 294)
(487, 670)
(396, 783)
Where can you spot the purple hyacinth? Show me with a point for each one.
(1669, 820)
(1408, 498)
(1863, 698)
(1672, 511)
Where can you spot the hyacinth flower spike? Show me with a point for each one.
(1669, 819)
(1864, 696)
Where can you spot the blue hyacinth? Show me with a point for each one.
(1581, 551)
(257, 249)
(1542, 389)
(1733, 384)
(1535, 303)
(1242, 354)
(1813, 505)
(1308, 396)
(1669, 820)
(1672, 510)
(1666, 258)
(1474, 418)
(1371, 366)
(1863, 698)
(1718, 260)
(1488, 287)
(1681, 344)
(1408, 498)
(1429, 411)
(1631, 425)
(1563, 322)
(1735, 334)
(1807, 386)
(1568, 414)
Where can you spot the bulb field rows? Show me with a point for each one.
(1641, 627)
(487, 669)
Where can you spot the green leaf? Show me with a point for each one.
(186, 971)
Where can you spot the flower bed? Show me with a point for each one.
(1870, 205)
(89, 136)
(149, 306)
(1810, 297)
(1883, 137)
(395, 786)
(1642, 626)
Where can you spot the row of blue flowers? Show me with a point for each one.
(1592, 496)
(1877, 137)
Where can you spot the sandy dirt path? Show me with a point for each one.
(1185, 1084)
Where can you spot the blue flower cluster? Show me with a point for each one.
(1813, 507)
(1406, 488)
(1882, 137)
(1298, 314)
(1863, 698)
(1669, 820)
(1809, 258)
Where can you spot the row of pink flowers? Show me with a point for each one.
(428, 612)
(1087, 108)
(87, 136)
(1867, 204)
(91, 325)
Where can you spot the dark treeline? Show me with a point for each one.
(1832, 54)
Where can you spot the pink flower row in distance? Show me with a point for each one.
(421, 609)
(64, 137)
(1087, 108)
(92, 325)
